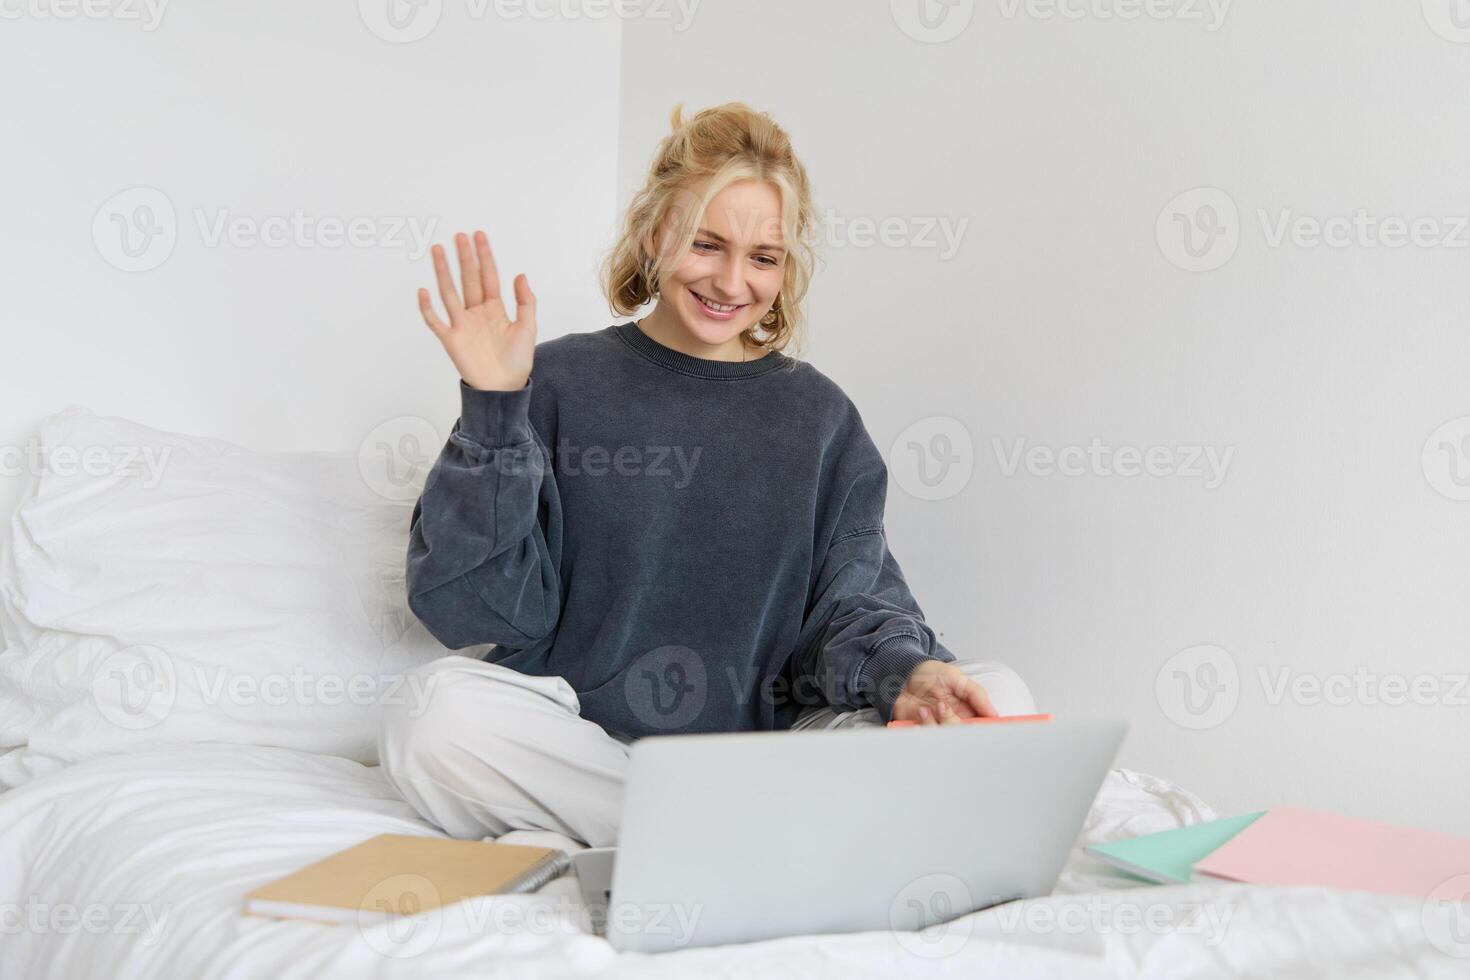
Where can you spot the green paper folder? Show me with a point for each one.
(1168, 857)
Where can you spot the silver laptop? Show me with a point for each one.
(737, 837)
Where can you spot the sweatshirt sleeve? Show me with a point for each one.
(485, 538)
(864, 632)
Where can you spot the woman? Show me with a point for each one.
(664, 526)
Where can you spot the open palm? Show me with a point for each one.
(490, 350)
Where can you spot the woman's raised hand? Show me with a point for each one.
(490, 350)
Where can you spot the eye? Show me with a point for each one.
(766, 261)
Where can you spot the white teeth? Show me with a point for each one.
(717, 307)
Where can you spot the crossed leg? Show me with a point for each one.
(480, 750)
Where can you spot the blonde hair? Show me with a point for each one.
(724, 144)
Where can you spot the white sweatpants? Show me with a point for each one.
(480, 750)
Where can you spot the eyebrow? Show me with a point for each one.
(725, 241)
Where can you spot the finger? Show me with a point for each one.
(525, 303)
(446, 283)
(979, 699)
(947, 715)
(962, 708)
(489, 274)
(469, 270)
(925, 716)
(426, 307)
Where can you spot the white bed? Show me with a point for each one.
(151, 772)
(160, 846)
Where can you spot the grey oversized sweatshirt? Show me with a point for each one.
(706, 553)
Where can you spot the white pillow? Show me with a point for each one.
(158, 589)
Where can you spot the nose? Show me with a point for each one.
(728, 279)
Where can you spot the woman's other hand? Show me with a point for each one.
(939, 693)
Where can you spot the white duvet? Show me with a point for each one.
(134, 866)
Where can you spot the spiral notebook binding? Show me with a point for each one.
(544, 870)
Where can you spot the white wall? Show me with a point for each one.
(254, 111)
(1060, 319)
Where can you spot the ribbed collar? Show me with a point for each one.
(697, 367)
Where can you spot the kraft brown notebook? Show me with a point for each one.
(401, 874)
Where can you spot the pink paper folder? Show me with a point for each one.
(1292, 846)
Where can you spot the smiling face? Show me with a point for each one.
(730, 276)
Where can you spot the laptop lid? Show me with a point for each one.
(745, 836)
